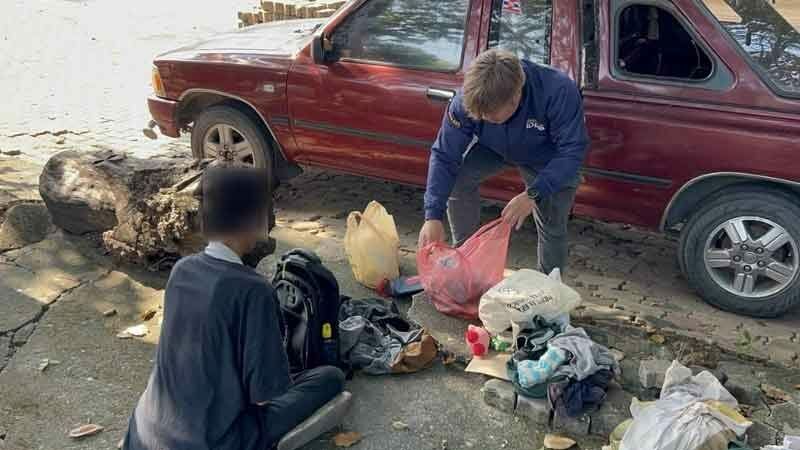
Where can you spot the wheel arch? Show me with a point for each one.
(193, 101)
(685, 201)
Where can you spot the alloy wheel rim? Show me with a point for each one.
(227, 146)
(752, 257)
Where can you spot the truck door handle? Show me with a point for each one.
(444, 95)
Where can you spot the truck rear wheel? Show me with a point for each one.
(230, 137)
(741, 252)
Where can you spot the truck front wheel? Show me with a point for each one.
(740, 252)
(230, 137)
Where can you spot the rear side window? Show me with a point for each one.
(423, 34)
(769, 33)
(651, 42)
(522, 27)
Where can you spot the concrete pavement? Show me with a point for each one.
(76, 75)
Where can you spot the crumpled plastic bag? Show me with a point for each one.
(371, 244)
(455, 278)
(523, 295)
(694, 412)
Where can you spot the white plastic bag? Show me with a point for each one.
(525, 294)
(371, 244)
(691, 411)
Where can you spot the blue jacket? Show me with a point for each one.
(547, 133)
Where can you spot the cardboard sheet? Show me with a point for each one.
(493, 365)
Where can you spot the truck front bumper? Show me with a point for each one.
(164, 112)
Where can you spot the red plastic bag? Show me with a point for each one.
(455, 278)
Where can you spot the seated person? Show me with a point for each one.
(221, 376)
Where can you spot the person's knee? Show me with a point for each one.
(332, 378)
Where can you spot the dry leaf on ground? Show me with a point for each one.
(347, 439)
(149, 314)
(775, 393)
(85, 430)
(556, 442)
(399, 426)
(657, 338)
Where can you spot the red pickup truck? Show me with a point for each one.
(693, 108)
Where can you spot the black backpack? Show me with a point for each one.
(308, 294)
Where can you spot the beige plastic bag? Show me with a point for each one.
(371, 243)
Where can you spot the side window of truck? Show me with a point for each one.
(421, 34)
(768, 33)
(652, 42)
(522, 27)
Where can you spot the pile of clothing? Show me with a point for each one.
(694, 412)
(562, 363)
(376, 338)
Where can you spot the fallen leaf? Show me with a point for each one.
(110, 312)
(149, 314)
(775, 393)
(85, 430)
(657, 338)
(399, 426)
(347, 439)
(556, 442)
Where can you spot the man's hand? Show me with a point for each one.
(518, 209)
(432, 231)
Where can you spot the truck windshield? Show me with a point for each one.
(769, 33)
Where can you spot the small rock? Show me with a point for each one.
(61, 141)
(652, 372)
(500, 394)
(469, 444)
(12, 152)
(760, 434)
(109, 312)
(444, 444)
(556, 442)
(399, 426)
(44, 365)
(741, 383)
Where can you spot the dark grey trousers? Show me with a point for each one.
(464, 206)
(309, 392)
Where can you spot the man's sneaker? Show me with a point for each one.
(330, 415)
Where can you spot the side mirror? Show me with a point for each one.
(321, 48)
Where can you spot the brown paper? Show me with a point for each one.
(493, 365)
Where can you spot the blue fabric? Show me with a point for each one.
(547, 133)
(221, 352)
(533, 372)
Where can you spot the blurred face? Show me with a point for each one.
(505, 112)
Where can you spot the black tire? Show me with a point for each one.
(774, 205)
(248, 125)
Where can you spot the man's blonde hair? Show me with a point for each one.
(491, 82)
